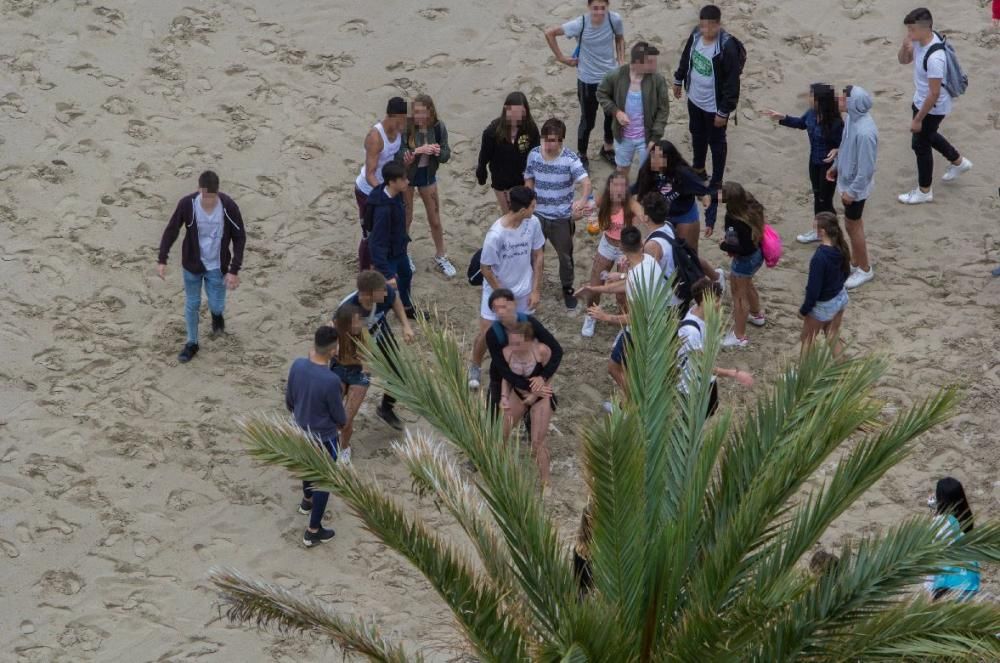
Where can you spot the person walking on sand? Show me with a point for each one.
(639, 100)
(505, 146)
(826, 297)
(744, 231)
(600, 36)
(854, 173)
(554, 171)
(709, 69)
(388, 240)
(825, 128)
(382, 145)
(313, 396)
(211, 254)
(427, 140)
(374, 298)
(931, 104)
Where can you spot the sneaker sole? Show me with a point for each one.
(312, 544)
(304, 513)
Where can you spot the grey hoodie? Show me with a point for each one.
(859, 147)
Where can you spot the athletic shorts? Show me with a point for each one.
(352, 376)
(618, 351)
(690, 216)
(486, 313)
(609, 251)
(854, 211)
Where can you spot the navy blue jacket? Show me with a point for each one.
(819, 143)
(388, 239)
(826, 277)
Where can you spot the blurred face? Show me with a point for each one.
(598, 11)
(552, 144)
(208, 200)
(516, 114)
(421, 114)
(505, 310)
(378, 296)
(648, 65)
(842, 103)
(398, 122)
(709, 29)
(518, 341)
(356, 325)
(918, 32)
(657, 160)
(618, 189)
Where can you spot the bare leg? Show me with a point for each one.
(355, 397)
(741, 285)
(408, 207)
(810, 328)
(479, 346)
(503, 201)
(753, 298)
(601, 264)
(859, 248)
(689, 232)
(429, 194)
(617, 372)
(541, 413)
(832, 330)
(514, 415)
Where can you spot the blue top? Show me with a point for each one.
(313, 396)
(388, 238)
(819, 143)
(826, 277)
(956, 578)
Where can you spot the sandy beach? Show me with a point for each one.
(122, 478)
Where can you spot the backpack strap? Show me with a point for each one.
(934, 48)
(500, 332)
(689, 323)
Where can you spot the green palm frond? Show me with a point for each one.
(249, 601)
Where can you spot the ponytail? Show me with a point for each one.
(828, 223)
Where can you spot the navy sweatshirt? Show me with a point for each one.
(738, 238)
(826, 277)
(388, 238)
(679, 190)
(313, 396)
(819, 143)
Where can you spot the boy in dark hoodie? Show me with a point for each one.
(387, 238)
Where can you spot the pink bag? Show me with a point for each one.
(770, 246)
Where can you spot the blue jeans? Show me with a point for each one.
(319, 498)
(215, 289)
(404, 278)
(627, 148)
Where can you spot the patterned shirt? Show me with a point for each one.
(554, 182)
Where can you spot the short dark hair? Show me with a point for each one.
(554, 127)
(641, 50)
(631, 239)
(710, 13)
(392, 171)
(324, 339)
(919, 16)
(703, 287)
(209, 181)
(370, 281)
(396, 106)
(501, 293)
(655, 207)
(521, 198)
(590, 2)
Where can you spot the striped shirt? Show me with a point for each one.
(554, 182)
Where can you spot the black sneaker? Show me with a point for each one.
(188, 353)
(569, 299)
(608, 155)
(218, 325)
(388, 415)
(310, 539)
(412, 313)
(305, 507)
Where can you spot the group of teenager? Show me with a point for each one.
(650, 228)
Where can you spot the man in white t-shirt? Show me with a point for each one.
(931, 103)
(512, 258)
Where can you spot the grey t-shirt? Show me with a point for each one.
(702, 89)
(597, 52)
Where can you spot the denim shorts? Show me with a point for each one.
(747, 266)
(627, 148)
(352, 376)
(690, 216)
(609, 251)
(422, 178)
(828, 310)
(623, 340)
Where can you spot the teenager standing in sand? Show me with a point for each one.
(512, 258)
(826, 297)
(600, 48)
(528, 358)
(667, 172)
(931, 104)
(505, 146)
(388, 240)
(382, 145)
(554, 171)
(349, 367)
(825, 128)
(854, 173)
(212, 224)
(638, 99)
(744, 230)
(427, 140)
(313, 396)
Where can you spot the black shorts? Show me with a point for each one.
(623, 340)
(854, 211)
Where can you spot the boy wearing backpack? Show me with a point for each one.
(709, 69)
(600, 36)
(937, 78)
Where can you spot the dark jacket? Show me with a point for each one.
(738, 238)
(826, 277)
(388, 238)
(414, 139)
(613, 92)
(506, 161)
(726, 65)
(233, 231)
(679, 191)
(820, 143)
(500, 369)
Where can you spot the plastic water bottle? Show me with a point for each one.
(593, 227)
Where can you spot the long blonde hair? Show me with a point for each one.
(428, 103)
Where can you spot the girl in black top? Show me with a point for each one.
(826, 297)
(668, 173)
(744, 231)
(528, 357)
(348, 366)
(506, 144)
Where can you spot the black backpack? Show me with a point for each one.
(473, 273)
(687, 267)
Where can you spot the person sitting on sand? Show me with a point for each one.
(954, 516)
(528, 357)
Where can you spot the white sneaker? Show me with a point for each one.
(916, 197)
(954, 171)
(413, 267)
(733, 341)
(607, 407)
(722, 278)
(445, 266)
(807, 238)
(589, 323)
(757, 320)
(859, 277)
(344, 456)
(475, 374)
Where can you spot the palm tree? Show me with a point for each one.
(699, 527)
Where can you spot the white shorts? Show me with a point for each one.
(608, 250)
(486, 313)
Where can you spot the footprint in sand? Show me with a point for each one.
(67, 113)
(357, 25)
(268, 186)
(9, 549)
(61, 582)
(304, 150)
(13, 105)
(434, 13)
(118, 105)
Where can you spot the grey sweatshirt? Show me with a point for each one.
(859, 147)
